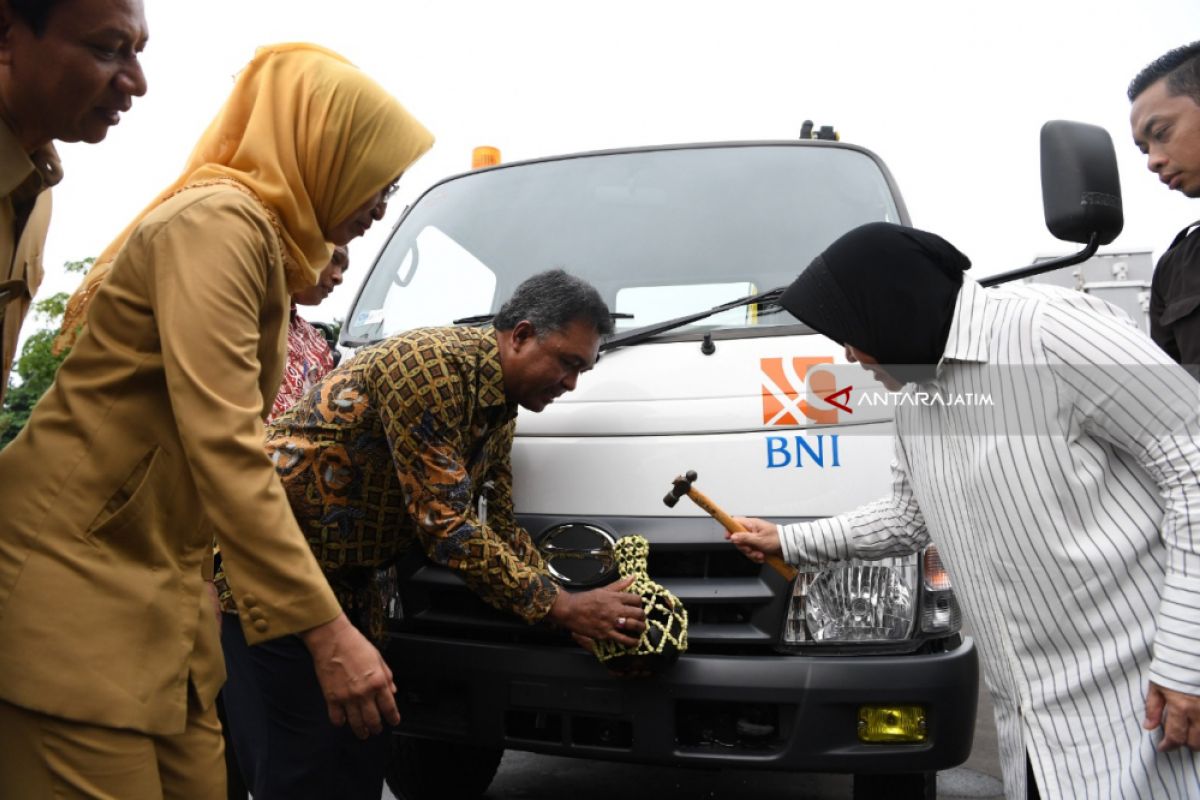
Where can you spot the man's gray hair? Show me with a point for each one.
(553, 300)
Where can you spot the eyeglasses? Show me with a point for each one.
(390, 190)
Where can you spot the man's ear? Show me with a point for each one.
(522, 333)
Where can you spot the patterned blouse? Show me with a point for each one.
(392, 449)
(309, 359)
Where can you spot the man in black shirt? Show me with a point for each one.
(1165, 118)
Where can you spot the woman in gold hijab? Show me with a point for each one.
(149, 443)
(293, 148)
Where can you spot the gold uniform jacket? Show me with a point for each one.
(148, 444)
(24, 207)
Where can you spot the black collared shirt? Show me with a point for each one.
(1175, 300)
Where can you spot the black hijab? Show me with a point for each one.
(886, 290)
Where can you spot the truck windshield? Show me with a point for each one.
(660, 233)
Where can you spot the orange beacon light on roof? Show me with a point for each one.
(485, 156)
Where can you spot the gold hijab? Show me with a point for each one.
(309, 136)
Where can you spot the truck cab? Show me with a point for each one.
(855, 667)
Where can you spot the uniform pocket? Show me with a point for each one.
(1178, 310)
(125, 503)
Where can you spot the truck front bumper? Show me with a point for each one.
(770, 711)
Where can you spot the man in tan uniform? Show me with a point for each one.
(68, 70)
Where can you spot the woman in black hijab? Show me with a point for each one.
(887, 294)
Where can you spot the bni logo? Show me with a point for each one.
(790, 387)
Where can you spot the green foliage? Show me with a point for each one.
(80, 267)
(35, 367)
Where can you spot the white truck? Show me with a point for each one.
(857, 667)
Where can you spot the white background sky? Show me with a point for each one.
(951, 95)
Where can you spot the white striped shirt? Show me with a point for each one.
(1068, 513)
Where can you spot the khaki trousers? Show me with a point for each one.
(50, 757)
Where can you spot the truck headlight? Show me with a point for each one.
(854, 601)
(872, 601)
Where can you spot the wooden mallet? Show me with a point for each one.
(683, 485)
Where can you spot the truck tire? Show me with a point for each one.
(899, 786)
(429, 769)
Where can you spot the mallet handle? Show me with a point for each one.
(699, 498)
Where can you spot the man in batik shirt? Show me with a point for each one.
(390, 451)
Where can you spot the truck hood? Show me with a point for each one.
(761, 383)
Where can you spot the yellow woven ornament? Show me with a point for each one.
(665, 636)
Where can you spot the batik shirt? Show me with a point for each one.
(392, 449)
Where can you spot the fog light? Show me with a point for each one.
(891, 724)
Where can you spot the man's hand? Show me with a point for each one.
(1180, 722)
(609, 612)
(356, 682)
(760, 539)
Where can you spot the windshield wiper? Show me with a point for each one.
(481, 318)
(475, 320)
(650, 331)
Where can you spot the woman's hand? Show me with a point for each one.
(759, 539)
(356, 682)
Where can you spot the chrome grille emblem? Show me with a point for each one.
(578, 554)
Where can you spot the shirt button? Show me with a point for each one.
(261, 626)
(257, 614)
(249, 601)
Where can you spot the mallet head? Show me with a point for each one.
(679, 487)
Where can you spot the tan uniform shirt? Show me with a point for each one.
(24, 220)
(147, 445)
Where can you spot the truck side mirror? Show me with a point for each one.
(1081, 193)
(1081, 190)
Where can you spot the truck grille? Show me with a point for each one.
(733, 604)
